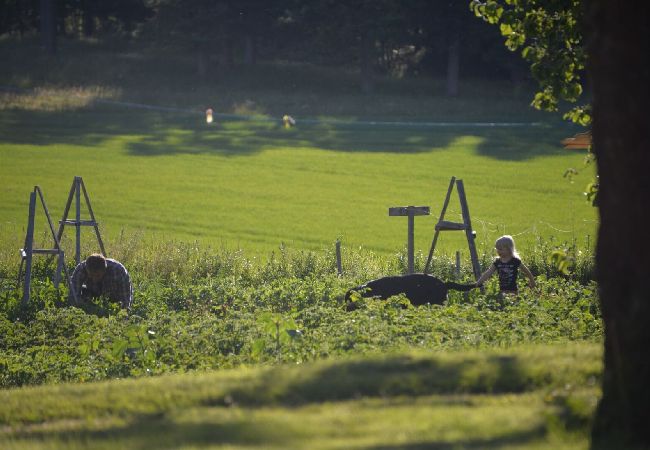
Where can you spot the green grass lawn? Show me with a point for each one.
(524, 397)
(256, 185)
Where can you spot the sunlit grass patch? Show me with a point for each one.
(53, 99)
(256, 185)
(258, 408)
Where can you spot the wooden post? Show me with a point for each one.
(92, 216)
(57, 245)
(76, 189)
(442, 215)
(77, 193)
(29, 244)
(59, 233)
(410, 212)
(339, 265)
(410, 245)
(28, 251)
(468, 229)
(466, 225)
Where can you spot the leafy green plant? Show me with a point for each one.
(287, 308)
(278, 331)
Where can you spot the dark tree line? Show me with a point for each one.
(72, 17)
(377, 37)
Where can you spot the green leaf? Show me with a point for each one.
(84, 350)
(258, 347)
(119, 347)
(506, 29)
(591, 192)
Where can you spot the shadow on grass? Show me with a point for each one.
(389, 377)
(213, 422)
(153, 133)
(163, 433)
(515, 438)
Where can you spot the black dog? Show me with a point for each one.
(419, 288)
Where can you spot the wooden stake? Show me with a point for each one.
(410, 212)
(29, 243)
(339, 265)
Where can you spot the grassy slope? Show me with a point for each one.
(541, 397)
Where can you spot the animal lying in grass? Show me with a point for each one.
(419, 288)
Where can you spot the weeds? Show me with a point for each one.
(197, 308)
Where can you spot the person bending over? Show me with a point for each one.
(98, 276)
(507, 265)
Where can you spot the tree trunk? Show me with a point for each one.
(88, 25)
(250, 50)
(201, 63)
(619, 67)
(226, 53)
(366, 60)
(453, 61)
(48, 29)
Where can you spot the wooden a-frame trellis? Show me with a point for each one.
(28, 250)
(465, 225)
(76, 189)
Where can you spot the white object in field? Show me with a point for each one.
(288, 121)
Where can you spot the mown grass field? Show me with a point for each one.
(256, 185)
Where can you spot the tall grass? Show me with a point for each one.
(196, 308)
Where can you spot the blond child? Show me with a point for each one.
(507, 265)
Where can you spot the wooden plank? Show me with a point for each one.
(339, 264)
(92, 216)
(409, 211)
(29, 242)
(444, 225)
(57, 247)
(580, 141)
(82, 223)
(77, 255)
(66, 210)
(46, 251)
(411, 244)
(442, 216)
(468, 230)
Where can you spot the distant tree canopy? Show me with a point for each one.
(429, 37)
(74, 18)
(550, 36)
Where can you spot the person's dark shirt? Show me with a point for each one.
(508, 273)
(115, 285)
